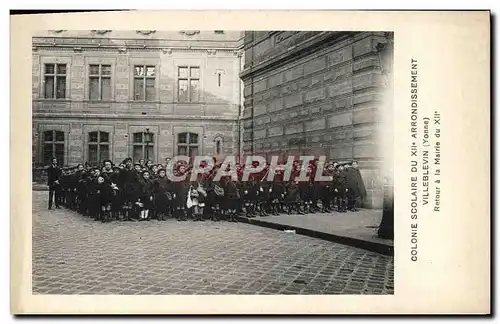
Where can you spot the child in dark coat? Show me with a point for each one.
(145, 199)
(105, 193)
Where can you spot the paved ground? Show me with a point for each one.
(362, 224)
(74, 255)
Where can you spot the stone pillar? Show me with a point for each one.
(165, 143)
(77, 79)
(36, 77)
(121, 143)
(122, 71)
(35, 143)
(167, 77)
(76, 140)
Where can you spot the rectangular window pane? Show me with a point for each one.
(49, 87)
(104, 137)
(48, 136)
(182, 150)
(61, 68)
(94, 70)
(182, 138)
(193, 151)
(139, 89)
(106, 88)
(183, 90)
(139, 70)
(47, 153)
(106, 70)
(183, 72)
(93, 153)
(150, 71)
(60, 153)
(137, 137)
(94, 89)
(49, 68)
(103, 152)
(148, 137)
(194, 95)
(150, 153)
(61, 87)
(195, 72)
(93, 137)
(193, 138)
(150, 90)
(137, 154)
(60, 136)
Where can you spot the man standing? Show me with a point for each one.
(355, 184)
(54, 174)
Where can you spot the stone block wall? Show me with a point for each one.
(214, 116)
(323, 91)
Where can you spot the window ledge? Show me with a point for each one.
(99, 101)
(144, 102)
(56, 100)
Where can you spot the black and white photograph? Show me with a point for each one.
(215, 162)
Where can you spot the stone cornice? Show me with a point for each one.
(132, 42)
(123, 50)
(310, 46)
(111, 116)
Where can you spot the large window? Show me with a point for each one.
(144, 83)
(189, 84)
(98, 147)
(100, 82)
(218, 146)
(187, 144)
(53, 146)
(143, 143)
(55, 81)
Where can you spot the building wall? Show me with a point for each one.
(316, 93)
(213, 116)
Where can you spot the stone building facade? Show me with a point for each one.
(317, 93)
(96, 94)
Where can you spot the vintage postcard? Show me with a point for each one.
(230, 162)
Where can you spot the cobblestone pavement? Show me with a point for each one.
(75, 255)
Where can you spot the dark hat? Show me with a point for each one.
(160, 170)
(104, 162)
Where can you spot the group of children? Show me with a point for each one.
(143, 191)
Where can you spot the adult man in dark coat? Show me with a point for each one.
(54, 175)
(357, 186)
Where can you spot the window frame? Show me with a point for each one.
(98, 143)
(144, 79)
(55, 77)
(188, 78)
(187, 144)
(54, 142)
(144, 146)
(100, 76)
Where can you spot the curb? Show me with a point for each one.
(354, 242)
(40, 188)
